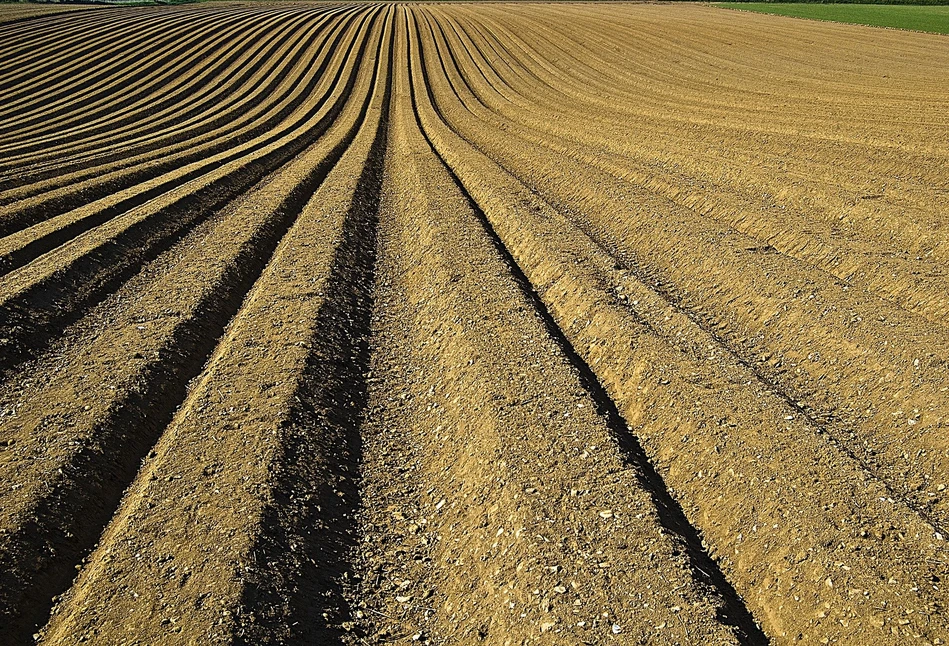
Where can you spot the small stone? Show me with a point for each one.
(405, 599)
(606, 513)
(546, 626)
(560, 589)
(616, 629)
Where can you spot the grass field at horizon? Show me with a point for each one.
(928, 18)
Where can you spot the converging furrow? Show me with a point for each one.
(532, 323)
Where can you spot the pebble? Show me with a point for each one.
(616, 629)
(606, 514)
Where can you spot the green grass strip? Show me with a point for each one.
(934, 19)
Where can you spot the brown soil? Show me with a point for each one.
(15, 12)
(554, 324)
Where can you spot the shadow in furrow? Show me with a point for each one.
(121, 116)
(822, 421)
(36, 317)
(268, 131)
(91, 86)
(216, 121)
(733, 611)
(295, 593)
(38, 561)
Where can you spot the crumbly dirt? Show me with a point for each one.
(520, 324)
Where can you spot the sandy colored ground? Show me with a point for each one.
(10, 12)
(505, 324)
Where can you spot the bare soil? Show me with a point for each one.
(471, 323)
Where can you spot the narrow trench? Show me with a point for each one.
(38, 561)
(23, 218)
(770, 384)
(31, 322)
(164, 102)
(303, 557)
(733, 612)
(222, 192)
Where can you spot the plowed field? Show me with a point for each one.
(472, 323)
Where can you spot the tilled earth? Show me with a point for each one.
(471, 323)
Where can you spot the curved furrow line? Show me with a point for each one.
(218, 83)
(836, 159)
(307, 401)
(840, 256)
(469, 167)
(462, 346)
(173, 317)
(670, 98)
(263, 19)
(652, 279)
(700, 62)
(99, 91)
(784, 395)
(528, 323)
(89, 42)
(917, 234)
(33, 12)
(582, 64)
(648, 366)
(180, 86)
(758, 327)
(39, 224)
(202, 135)
(39, 298)
(83, 71)
(904, 291)
(27, 43)
(13, 27)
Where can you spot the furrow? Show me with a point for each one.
(37, 299)
(98, 28)
(908, 274)
(807, 536)
(222, 134)
(129, 182)
(185, 89)
(471, 400)
(171, 322)
(765, 319)
(27, 108)
(90, 49)
(227, 469)
(10, 15)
